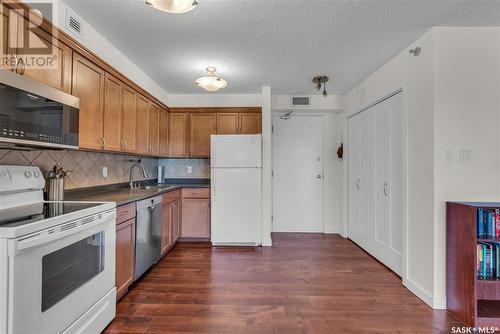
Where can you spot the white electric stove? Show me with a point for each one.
(57, 259)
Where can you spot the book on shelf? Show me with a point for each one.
(488, 223)
(488, 260)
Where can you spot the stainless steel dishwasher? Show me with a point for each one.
(147, 234)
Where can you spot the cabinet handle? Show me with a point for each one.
(125, 142)
(386, 192)
(23, 68)
(357, 184)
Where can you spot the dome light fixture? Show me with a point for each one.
(211, 82)
(173, 6)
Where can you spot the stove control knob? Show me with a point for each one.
(37, 174)
(28, 174)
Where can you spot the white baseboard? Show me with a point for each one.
(267, 242)
(437, 303)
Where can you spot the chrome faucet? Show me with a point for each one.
(137, 163)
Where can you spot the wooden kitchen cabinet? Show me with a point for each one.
(112, 113)
(141, 128)
(125, 256)
(250, 123)
(166, 226)
(153, 129)
(128, 118)
(227, 123)
(178, 135)
(195, 222)
(8, 35)
(88, 85)
(176, 220)
(201, 126)
(125, 248)
(163, 144)
(57, 75)
(170, 224)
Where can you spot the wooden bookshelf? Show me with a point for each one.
(473, 300)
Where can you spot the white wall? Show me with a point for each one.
(415, 75)
(215, 100)
(452, 96)
(267, 167)
(318, 102)
(94, 41)
(467, 116)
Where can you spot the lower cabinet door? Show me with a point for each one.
(176, 220)
(125, 256)
(166, 228)
(195, 218)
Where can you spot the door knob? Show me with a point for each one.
(318, 176)
(386, 191)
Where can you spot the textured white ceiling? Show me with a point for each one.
(274, 42)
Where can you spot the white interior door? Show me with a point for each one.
(376, 176)
(298, 174)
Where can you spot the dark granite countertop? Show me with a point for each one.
(120, 194)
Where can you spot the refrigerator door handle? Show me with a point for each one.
(213, 183)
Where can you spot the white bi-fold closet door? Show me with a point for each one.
(375, 181)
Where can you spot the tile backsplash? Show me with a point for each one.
(178, 168)
(86, 166)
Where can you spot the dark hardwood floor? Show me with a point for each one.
(304, 284)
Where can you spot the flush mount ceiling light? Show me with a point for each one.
(321, 80)
(211, 82)
(173, 6)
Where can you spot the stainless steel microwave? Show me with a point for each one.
(35, 114)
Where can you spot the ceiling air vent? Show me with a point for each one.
(74, 24)
(300, 101)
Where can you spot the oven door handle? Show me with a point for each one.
(58, 232)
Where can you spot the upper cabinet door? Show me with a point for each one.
(250, 123)
(56, 71)
(88, 85)
(154, 129)
(129, 97)
(163, 132)
(141, 125)
(202, 125)
(112, 113)
(8, 36)
(227, 123)
(178, 135)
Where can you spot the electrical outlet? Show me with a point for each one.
(189, 169)
(104, 171)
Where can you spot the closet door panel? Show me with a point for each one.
(382, 172)
(366, 176)
(396, 189)
(353, 176)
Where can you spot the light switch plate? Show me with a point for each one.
(104, 171)
(189, 169)
(464, 155)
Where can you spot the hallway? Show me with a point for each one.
(306, 283)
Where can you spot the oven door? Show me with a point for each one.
(57, 274)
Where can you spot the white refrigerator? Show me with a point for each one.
(236, 179)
